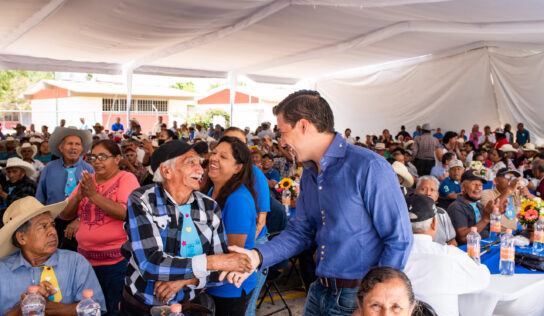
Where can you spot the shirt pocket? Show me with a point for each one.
(161, 221)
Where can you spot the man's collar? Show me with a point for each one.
(20, 261)
(79, 160)
(168, 196)
(424, 237)
(337, 148)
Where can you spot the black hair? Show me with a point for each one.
(241, 155)
(238, 130)
(110, 146)
(449, 135)
(268, 156)
(383, 274)
(471, 144)
(446, 157)
(309, 105)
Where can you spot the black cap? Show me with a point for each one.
(420, 207)
(167, 151)
(504, 171)
(473, 174)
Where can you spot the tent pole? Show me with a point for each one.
(129, 96)
(233, 77)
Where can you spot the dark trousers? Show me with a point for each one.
(112, 279)
(424, 166)
(65, 243)
(232, 306)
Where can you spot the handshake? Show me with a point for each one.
(241, 263)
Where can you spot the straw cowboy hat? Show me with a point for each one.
(402, 172)
(36, 140)
(18, 213)
(380, 146)
(62, 132)
(27, 145)
(529, 147)
(20, 163)
(8, 139)
(507, 148)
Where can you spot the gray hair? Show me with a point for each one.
(422, 227)
(538, 164)
(157, 176)
(23, 229)
(427, 178)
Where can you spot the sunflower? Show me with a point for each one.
(286, 183)
(527, 205)
(253, 148)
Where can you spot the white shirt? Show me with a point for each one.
(84, 126)
(440, 273)
(156, 128)
(349, 139)
(38, 166)
(140, 153)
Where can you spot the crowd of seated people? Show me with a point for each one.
(112, 201)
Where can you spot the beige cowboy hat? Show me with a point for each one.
(36, 140)
(529, 147)
(27, 145)
(380, 146)
(18, 213)
(402, 172)
(408, 143)
(20, 163)
(8, 139)
(62, 132)
(507, 148)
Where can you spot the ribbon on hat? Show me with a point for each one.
(48, 274)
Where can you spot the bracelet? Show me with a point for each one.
(260, 257)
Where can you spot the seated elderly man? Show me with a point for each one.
(509, 191)
(29, 256)
(445, 233)
(450, 187)
(10, 144)
(164, 217)
(19, 184)
(467, 211)
(439, 273)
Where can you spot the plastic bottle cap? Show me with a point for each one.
(88, 293)
(541, 218)
(33, 289)
(474, 229)
(175, 308)
(509, 230)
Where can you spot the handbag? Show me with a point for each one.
(530, 261)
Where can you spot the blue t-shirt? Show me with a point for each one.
(117, 127)
(263, 195)
(438, 135)
(239, 217)
(273, 174)
(522, 137)
(438, 171)
(449, 186)
(45, 159)
(417, 134)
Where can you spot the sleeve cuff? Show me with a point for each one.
(199, 264)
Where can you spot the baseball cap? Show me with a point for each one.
(455, 163)
(420, 207)
(472, 174)
(504, 171)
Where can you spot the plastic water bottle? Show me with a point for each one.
(33, 304)
(508, 254)
(538, 243)
(495, 224)
(175, 310)
(286, 201)
(88, 306)
(473, 244)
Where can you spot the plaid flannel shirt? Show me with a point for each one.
(153, 226)
(22, 188)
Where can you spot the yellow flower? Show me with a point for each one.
(252, 148)
(286, 183)
(527, 205)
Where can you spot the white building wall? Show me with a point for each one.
(71, 109)
(177, 111)
(245, 114)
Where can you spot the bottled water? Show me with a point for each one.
(538, 243)
(33, 304)
(473, 244)
(88, 306)
(175, 310)
(508, 254)
(495, 224)
(286, 201)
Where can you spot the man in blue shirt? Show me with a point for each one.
(60, 177)
(11, 148)
(271, 174)
(350, 205)
(438, 134)
(450, 187)
(522, 135)
(29, 256)
(117, 126)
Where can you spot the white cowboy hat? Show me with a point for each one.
(507, 148)
(20, 163)
(62, 132)
(9, 138)
(380, 146)
(529, 147)
(18, 213)
(402, 172)
(27, 145)
(408, 143)
(36, 140)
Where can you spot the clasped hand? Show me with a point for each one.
(237, 278)
(86, 186)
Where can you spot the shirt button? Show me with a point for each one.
(322, 217)
(321, 258)
(322, 246)
(322, 211)
(320, 187)
(322, 252)
(340, 145)
(323, 223)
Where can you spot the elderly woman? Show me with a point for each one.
(230, 183)
(385, 291)
(100, 201)
(27, 152)
(29, 256)
(19, 184)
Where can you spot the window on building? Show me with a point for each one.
(138, 105)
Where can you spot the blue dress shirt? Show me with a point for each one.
(73, 272)
(53, 180)
(353, 210)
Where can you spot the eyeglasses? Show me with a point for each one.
(101, 157)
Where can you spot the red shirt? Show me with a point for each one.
(500, 143)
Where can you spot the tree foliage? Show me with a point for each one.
(207, 118)
(14, 82)
(185, 86)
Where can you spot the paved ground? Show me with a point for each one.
(292, 292)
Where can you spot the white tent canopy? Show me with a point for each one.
(277, 41)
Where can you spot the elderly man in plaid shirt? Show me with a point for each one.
(176, 243)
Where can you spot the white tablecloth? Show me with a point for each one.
(521, 294)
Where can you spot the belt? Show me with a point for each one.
(340, 283)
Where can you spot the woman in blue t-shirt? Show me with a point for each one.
(230, 184)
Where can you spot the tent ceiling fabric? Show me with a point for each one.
(271, 40)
